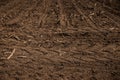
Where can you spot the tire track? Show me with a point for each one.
(63, 16)
(113, 18)
(74, 20)
(106, 14)
(14, 11)
(7, 6)
(46, 4)
(20, 15)
(88, 20)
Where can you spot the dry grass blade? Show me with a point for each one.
(11, 54)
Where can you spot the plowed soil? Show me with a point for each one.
(58, 40)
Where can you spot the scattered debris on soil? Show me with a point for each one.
(58, 40)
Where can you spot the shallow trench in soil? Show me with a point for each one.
(58, 40)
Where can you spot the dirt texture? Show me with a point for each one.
(58, 40)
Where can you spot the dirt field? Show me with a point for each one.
(58, 40)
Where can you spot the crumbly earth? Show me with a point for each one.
(58, 40)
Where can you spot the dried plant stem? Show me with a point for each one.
(11, 54)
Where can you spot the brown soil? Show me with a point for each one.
(58, 40)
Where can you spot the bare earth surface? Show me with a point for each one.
(58, 40)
